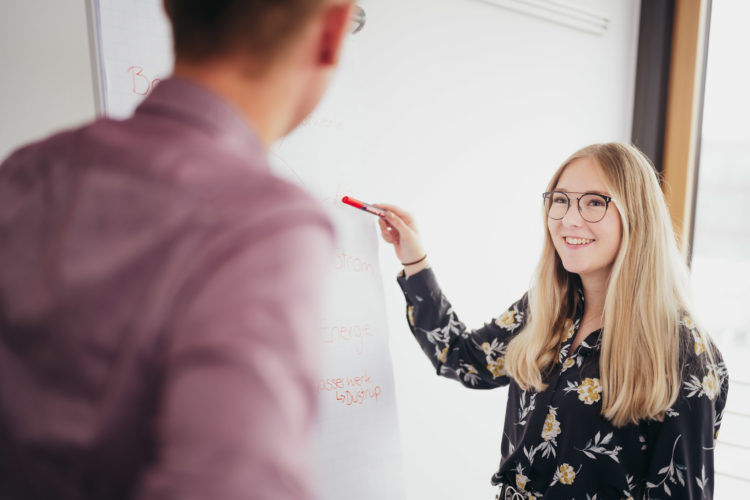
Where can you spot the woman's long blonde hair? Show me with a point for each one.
(647, 295)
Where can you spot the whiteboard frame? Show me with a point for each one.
(559, 12)
(97, 70)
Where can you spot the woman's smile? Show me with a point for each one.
(576, 243)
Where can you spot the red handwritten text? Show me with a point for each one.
(351, 390)
(141, 84)
(346, 333)
(346, 262)
(322, 122)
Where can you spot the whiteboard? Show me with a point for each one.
(357, 446)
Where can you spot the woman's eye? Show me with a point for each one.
(559, 199)
(595, 202)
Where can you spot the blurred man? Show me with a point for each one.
(158, 286)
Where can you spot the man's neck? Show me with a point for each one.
(259, 96)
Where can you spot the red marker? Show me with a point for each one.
(364, 206)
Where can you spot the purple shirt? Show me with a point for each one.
(158, 300)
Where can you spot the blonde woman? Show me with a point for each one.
(614, 392)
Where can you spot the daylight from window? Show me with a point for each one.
(721, 244)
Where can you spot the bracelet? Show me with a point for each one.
(415, 262)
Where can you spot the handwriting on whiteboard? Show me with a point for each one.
(351, 390)
(324, 122)
(353, 334)
(141, 84)
(347, 262)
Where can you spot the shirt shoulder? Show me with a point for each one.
(696, 346)
(703, 368)
(49, 147)
(265, 203)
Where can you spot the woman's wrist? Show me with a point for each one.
(415, 266)
(415, 261)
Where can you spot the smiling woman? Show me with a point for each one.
(601, 356)
(587, 239)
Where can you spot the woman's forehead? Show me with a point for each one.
(582, 175)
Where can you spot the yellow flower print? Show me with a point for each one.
(443, 357)
(507, 319)
(568, 363)
(496, 367)
(710, 385)
(410, 314)
(688, 322)
(486, 348)
(566, 474)
(590, 390)
(551, 426)
(569, 328)
(521, 481)
(700, 346)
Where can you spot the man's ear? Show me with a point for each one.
(336, 21)
(167, 6)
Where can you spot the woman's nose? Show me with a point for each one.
(573, 217)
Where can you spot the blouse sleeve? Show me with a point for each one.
(476, 358)
(682, 458)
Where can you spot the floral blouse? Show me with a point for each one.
(556, 444)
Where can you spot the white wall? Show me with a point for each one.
(470, 108)
(45, 70)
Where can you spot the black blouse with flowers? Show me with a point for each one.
(556, 444)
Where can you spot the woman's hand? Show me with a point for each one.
(398, 229)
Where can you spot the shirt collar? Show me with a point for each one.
(591, 341)
(197, 106)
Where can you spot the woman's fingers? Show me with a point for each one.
(389, 233)
(398, 223)
(408, 244)
(397, 228)
(403, 214)
(388, 206)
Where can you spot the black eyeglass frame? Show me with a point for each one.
(548, 194)
(359, 18)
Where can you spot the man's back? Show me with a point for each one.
(155, 279)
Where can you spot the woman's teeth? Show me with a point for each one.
(577, 241)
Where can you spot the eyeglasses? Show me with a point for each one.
(591, 206)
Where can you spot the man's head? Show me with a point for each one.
(206, 29)
(273, 47)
